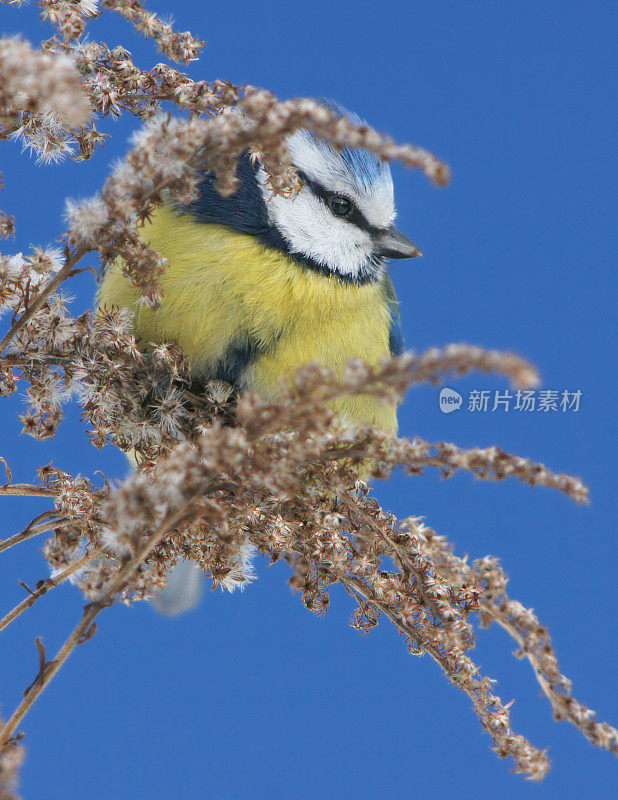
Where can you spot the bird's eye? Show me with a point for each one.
(340, 206)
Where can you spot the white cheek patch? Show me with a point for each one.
(308, 225)
(311, 230)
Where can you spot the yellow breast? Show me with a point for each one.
(220, 287)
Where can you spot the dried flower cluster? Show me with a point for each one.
(39, 83)
(221, 477)
(41, 98)
(7, 225)
(183, 47)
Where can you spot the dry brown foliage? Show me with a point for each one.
(11, 758)
(222, 477)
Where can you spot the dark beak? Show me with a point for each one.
(392, 243)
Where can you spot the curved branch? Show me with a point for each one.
(34, 528)
(84, 628)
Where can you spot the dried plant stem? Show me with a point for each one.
(559, 707)
(506, 742)
(41, 296)
(564, 706)
(405, 562)
(107, 597)
(37, 526)
(27, 490)
(523, 626)
(32, 360)
(460, 359)
(44, 587)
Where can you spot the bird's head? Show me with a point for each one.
(341, 223)
(342, 220)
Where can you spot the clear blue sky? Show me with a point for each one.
(251, 696)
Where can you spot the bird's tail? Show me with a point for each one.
(184, 590)
(185, 584)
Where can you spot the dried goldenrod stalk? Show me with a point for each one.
(182, 47)
(11, 759)
(283, 480)
(115, 84)
(276, 120)
(221, 478)
(522, 624)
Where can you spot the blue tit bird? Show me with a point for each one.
(258, 285)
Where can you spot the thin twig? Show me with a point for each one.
(33, 360)
(563, 705)
(405, 562)
(34, 528)
(355, 587)
(44, 586)
(82, 630)
(27, 490)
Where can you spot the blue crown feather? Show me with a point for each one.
(364, 165)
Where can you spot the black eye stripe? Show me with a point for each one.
(246, 212)
(356, 217)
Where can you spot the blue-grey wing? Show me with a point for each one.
(396, 339)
